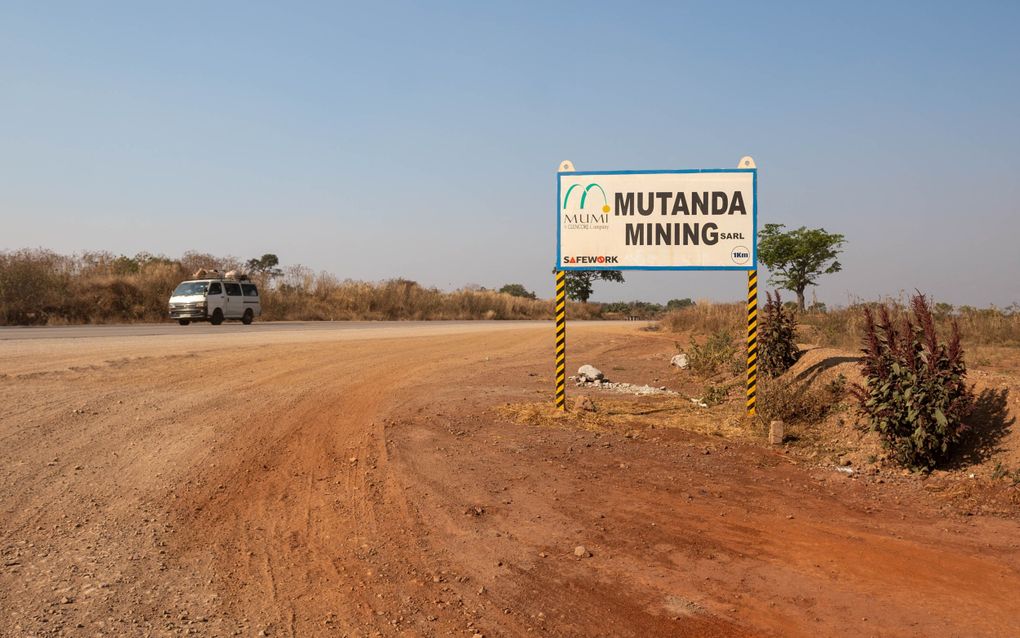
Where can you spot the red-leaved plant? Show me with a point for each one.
(777, 337)
(914, 393)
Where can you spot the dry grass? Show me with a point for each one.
(634, 415)
(40, 287)
(707, 318)
(844, 327)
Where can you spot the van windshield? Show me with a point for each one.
(191, 288)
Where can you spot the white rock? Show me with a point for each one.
(589, 373)
(679, 360)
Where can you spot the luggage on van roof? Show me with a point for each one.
(202, 273)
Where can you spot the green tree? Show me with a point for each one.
(796, 258)
(267, 265)
(679, 304)
(517, 290)
(579, 282)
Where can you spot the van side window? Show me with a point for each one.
(215, 289)
(250, 290)
(234, 290)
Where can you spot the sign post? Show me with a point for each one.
(752, 340)
(561, 340)
(752, 319)
(698, 219)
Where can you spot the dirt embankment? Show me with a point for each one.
(394, 486)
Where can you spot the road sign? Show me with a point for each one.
(701, 219)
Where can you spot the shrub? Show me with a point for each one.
(517, 290)
(679, 304)
(718, 350)
(914, 393)
(777, 338)
(33, 286)
(786, 400)
(639, 309)
(716, 394)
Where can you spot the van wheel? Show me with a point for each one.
(183, 322)
(217, 317)
(248, 317)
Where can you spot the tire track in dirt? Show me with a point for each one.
(349, 526)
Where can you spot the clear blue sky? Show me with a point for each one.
(421, 139)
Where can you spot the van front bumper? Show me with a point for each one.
(185, 312)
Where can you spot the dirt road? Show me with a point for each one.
(313, 484)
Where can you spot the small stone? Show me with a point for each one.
(679, 361)
(589, 373)
(580, 551)
(776, 433)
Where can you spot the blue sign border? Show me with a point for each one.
(754, 244)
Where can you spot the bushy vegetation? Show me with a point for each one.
(40, 287)
(914, 393)
(517, 290)
(718, 352)
(641, 309)
(777, 337)
(679, 304)
(798, 402)
(631, 309)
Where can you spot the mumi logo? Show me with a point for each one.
(575, 217)
(584, 196)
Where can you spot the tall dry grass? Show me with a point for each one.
(307, 295)
(844, 327)
(43, 287)
(707, 317)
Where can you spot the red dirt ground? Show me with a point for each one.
(420, 487)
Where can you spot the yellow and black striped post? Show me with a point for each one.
(752, 340)
(561, 340)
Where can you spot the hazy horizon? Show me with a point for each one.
(401, 140)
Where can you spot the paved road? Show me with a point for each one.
(14, 333)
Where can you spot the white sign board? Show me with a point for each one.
(657, 220)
